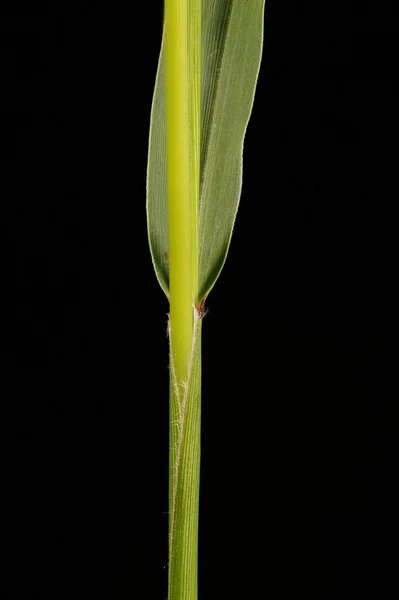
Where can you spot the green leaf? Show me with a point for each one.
(232, 37)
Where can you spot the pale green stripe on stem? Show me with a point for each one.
(182, 69)
(178, 183)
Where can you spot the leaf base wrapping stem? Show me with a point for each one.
(184, 471)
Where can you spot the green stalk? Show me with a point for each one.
(182, 66)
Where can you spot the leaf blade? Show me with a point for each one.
(156, 206)
(240, 25)
(232, 39)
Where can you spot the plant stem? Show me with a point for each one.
(194, 33)
(182, 64)
(185, 436)
(178, 183)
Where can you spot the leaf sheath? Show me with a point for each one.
(184, 472)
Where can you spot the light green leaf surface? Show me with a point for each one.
(232, 37)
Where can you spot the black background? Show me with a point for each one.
(299, 464)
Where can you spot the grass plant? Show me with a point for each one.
(203, 97)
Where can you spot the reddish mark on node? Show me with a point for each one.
(201, 309)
